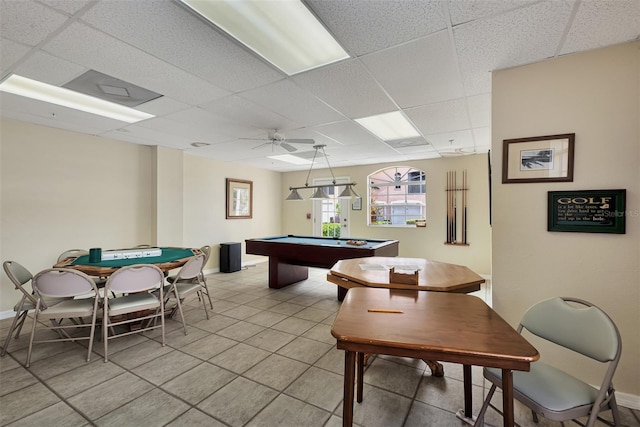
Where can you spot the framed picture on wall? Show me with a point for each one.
(587, 211)
(357, 204)
(239, 199)
(538, 159)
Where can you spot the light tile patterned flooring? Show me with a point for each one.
(265, 358)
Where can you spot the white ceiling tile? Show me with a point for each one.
(420, 72)
(50, 69)
(521, 36)
(442, 117)
(482, 138)
(162, 105)
(347, 87)
(142, 135)
(42, 21)
(470, 10)
(109, 56)
(288, 100)
(160, 28)
(67, 6)
(12, 52)
(245, 112)
(480, 109)
(601, 23)
(367, 26)
(346, 133)
(447, 141)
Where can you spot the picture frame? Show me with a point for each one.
(357, 204)
(538, 159)
(587, 211)
(239, 199)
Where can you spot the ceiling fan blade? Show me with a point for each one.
(262, 145)
(300, 141)
(289, 148)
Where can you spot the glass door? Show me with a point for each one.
(331, 216)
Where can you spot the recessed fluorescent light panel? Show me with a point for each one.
(29, 88)
(389, 126)
(288, 158)
(283, 32)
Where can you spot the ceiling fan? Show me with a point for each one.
(276, 139)
(456, 151)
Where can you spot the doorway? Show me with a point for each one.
(331, 216)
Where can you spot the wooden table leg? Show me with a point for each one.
(360, 368)
(507, 397)
(437, 370)
(349, 377)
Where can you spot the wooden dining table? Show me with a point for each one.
(449, 327)
(373, 272)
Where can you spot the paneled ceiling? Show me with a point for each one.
(432, 60)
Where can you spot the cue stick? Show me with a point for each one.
(464, 205)
(446, 190)
(455, 208)
(448, 206)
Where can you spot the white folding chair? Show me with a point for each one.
(206, 250)
(579, 326)
(136, 285)
(72, 253)
(19, 276)
(64, 283)
(189, 280)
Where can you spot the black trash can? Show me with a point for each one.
(230, 257)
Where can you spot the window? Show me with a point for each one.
(397, 196)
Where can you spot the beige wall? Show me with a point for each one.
(63, 190)
(414, 242)
(204, 201)
(597, 96)
(168, 196)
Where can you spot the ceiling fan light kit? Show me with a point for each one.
(319, 192)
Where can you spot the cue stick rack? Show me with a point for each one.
(456, 213)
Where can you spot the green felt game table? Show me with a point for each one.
(171, 258)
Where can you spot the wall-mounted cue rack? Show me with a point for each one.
(456, 213)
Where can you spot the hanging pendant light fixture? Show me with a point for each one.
(319, 192)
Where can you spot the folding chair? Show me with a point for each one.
(72, 253)
(189, 280)
(206, 250)
(579, 326)
(20, 276)
(136, 285)
(64, 283)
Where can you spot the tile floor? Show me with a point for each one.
(264, 358)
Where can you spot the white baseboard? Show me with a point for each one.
(7, 314)
(628, 400)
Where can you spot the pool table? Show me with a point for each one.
(290, 256)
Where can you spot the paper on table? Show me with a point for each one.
(377, 267)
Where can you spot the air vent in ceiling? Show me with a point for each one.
(111, 89)
(404, 143)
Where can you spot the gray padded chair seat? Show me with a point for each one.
(127, 303)
(549, 387)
